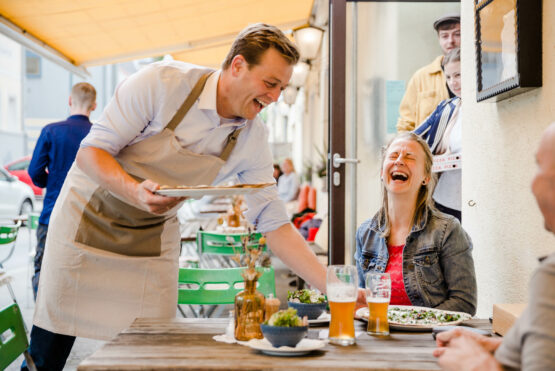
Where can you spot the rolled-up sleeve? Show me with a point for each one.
(265, 210)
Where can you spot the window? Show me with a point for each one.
(32, 64)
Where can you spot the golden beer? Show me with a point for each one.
(377, 316)
(341, 286)
(342, 324)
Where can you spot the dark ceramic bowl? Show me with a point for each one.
(284, 336)
(312, 311)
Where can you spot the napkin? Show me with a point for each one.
(324, 334)
(225, 338)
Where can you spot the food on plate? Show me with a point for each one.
(305, 296)
(203, 186)
(423, 316)
(285, 328)
(285, 318)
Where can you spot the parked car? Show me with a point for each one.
(16, 197)
(19, 169)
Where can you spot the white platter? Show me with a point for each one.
(200, 191)
(362, 313)
(324, 318)
(305, 346)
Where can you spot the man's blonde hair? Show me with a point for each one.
(254, 40)
(83, 95)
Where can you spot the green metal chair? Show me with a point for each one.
(222, 243)
(13, 339)
(8, 235)
(218, 286)
(33, 221)
(197, 286)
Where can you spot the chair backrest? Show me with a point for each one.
(312, 196)
(219, 286)
(8, 234)
(13, 340)
(222, 243)
(303, 198)
(33, 221)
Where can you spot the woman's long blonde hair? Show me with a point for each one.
(424, 199)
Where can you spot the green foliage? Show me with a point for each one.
(305, 296)
(285, 318)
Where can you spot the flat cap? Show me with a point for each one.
(453, 17)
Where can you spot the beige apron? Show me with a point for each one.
(107, 262)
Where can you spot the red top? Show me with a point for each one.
(395, 269)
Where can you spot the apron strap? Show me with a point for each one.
(230, 144)
(188, 103)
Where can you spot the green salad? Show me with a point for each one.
(305, 296)
(285, 318)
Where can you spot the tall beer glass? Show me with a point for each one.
(378, 293)
(342, 295)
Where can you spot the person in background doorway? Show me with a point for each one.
(427, 87)
(277, 172)
(53, 156)
(288, 183)
(530, 343)
(443, 132)
(426, 252)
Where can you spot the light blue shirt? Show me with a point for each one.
(145, 102)
(288, 186)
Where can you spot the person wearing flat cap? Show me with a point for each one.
(428, 87)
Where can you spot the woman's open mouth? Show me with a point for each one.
(398, 176)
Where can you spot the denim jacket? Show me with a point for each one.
(438, 269)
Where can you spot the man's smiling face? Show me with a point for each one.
(256, 86)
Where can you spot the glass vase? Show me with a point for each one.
(249, 312)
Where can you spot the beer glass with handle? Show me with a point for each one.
(342, 295)
(378, 293)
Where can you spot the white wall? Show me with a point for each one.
(499, 141)
(12, 136)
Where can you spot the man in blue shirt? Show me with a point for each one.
(53, 156)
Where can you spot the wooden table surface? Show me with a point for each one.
(186, 343)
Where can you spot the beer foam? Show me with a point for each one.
(377, 300)
(340, 292)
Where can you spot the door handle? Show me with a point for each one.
(338, 160)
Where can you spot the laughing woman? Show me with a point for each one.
(427, 253)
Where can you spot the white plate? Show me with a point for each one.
(323, 318)
(362, 313)
(305, 346)
(200, 191)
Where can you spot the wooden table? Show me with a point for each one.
(187, 344)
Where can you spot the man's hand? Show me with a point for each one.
(151, 202)
(489, 344)
(103, 168)
(460, 349)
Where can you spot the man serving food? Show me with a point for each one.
(113, 243)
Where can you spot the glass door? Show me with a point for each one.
(383, 44)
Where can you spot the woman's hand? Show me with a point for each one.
(361, 299)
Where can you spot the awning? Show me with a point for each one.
(97, 32)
